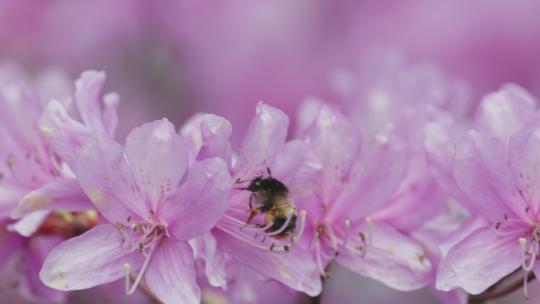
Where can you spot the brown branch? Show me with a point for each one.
(144, 289)
(494, 293)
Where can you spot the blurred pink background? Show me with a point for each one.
(175, 58)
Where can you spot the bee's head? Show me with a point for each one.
(255, 184)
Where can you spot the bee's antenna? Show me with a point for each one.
(269, 172)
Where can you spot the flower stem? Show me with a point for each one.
(496, 292)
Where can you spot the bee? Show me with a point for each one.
(272, 196)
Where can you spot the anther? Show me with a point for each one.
(347, 223)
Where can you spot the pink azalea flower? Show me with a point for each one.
(264, 148)
(34, 180)
(495, 167)
(153, 204)
(389, 93)
(353, 207)
(48, 182)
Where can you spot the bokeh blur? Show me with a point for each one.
(176, 58)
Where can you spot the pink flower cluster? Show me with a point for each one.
(394, 182)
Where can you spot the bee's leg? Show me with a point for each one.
(251, 201)
(252, 213)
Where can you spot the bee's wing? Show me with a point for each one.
(299, 192)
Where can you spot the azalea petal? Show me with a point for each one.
(87, 94)
(308, 111)
(200, 202)
(208, 136)
(29, 223)
(479, 261)
(296, 269)
(504, 112)
(65, 134)
(523, 154)
(31, 286)
(296, 166)
(158, 159)
(207, 248)
(110, 114)
(9, 196)
(171, 274)
(421, 200)
(375, 177)
(65, 193)
(336, 142)
(104, 173)
(392, 258)
(481, 170)
(469, 226)
(96, 257)
(265, 136)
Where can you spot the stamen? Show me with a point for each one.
(127, 282)
(318, 258)
(248, 226)
(302, 226)
(248, 241)
(346, 239)
(523, 245)
(258, 228)
(369, 222)
(127, 269)
(361, 251)
(533, 251)
(283, 227)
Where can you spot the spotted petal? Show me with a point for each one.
(158, 160)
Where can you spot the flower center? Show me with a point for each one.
(144, 237)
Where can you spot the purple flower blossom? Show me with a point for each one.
(153, 203)
(353, 206)
(495, 167)
(35, 181)
(264, 148)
